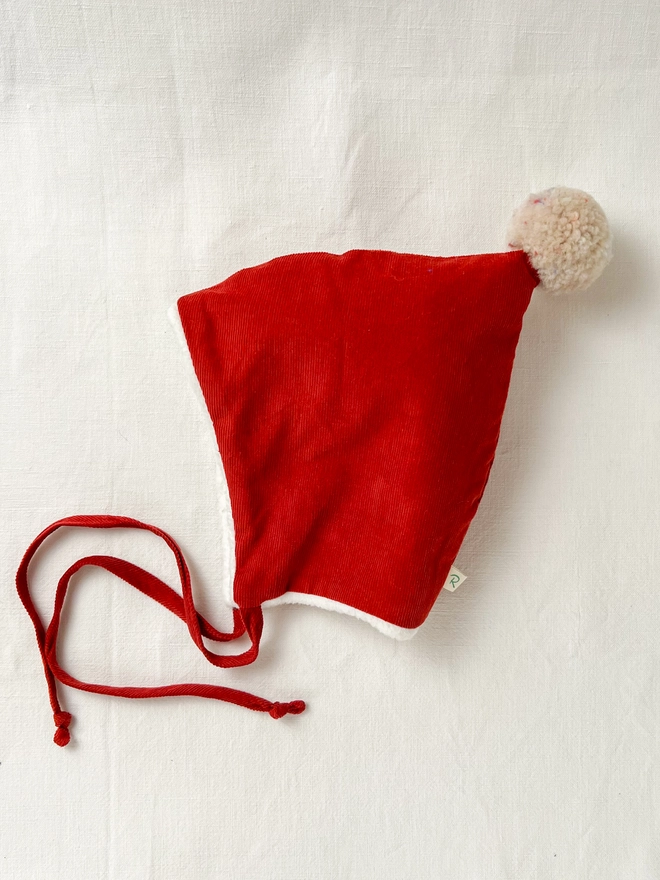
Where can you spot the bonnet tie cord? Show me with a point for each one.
(248, 620)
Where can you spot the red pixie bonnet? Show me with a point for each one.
(335, 385)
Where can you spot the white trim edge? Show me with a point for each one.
(228, 535)
(400, 633)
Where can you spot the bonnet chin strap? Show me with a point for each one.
(246, 620)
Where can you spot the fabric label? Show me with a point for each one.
(454, 579)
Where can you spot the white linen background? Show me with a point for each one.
(151, 149)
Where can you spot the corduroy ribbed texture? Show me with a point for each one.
(357, 402)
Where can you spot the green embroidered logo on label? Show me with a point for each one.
(454, 579)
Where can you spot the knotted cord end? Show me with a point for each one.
(279, 710)
(62, 736)
(248, 620)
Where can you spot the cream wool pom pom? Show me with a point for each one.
(565, 234)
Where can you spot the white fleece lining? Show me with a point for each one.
(229, 535)
(387, 629)
(227, 531)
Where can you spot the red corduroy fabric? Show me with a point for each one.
(357, 402)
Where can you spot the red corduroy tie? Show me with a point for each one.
(246, 620)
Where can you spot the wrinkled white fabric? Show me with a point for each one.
(150, 149)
